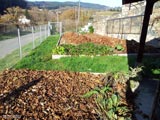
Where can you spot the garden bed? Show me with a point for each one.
(130, 46)
(27, 94)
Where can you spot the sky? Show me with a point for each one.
(111, 3)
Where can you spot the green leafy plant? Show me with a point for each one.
(135, 73)
(85, 49)
(91, 29)
(108, 103)
(119, 47)
(134, 76)
(60, 50)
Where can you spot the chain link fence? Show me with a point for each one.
(16, 43)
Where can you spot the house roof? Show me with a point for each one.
(130, 1)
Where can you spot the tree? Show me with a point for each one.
(40, 16)
(28, 16)
(12, 16)
(4, 4)
(68, 14)
(69, 18)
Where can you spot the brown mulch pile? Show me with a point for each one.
(130, 46)
(52, 95)
(48, 95)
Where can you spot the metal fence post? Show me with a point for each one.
(33, 39)
(60, 28)
(45, 31)
(49, 33)
(19, 42)
(122, 29)
(40, 34)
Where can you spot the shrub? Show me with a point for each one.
(91, 29)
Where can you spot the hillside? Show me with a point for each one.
(56, 5)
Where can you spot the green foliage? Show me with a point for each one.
(59, 50)
(134, 76)
(28, 16)
(91, 29)
(84, 49)
(109, 106)
(40, 59)
(102, 90)
(135, 73)
(39, 56)
(119, 47)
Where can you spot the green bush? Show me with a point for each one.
(59, 50)
(119, 47)
(91, 29)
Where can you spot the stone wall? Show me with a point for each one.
(127, 26)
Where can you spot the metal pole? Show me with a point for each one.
(119, 31)
(19, 42)
(107, 27)
(40, 34)
(33, 42)
(122, 29)
(49, 33)
(45, 32)
(57, 16)
(60, 28)
(78, 20)
(148, 12)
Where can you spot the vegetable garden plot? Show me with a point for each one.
(56, 95)
(129, 46)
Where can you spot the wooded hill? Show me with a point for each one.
(56, 5)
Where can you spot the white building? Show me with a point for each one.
(24, 20)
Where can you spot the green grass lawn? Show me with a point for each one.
(40, 59)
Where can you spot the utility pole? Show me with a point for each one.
(78, 19)
(58, 12)
(79, 10)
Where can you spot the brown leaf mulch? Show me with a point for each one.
(48, 95)
(130, 46)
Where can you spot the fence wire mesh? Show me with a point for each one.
(16, 43)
